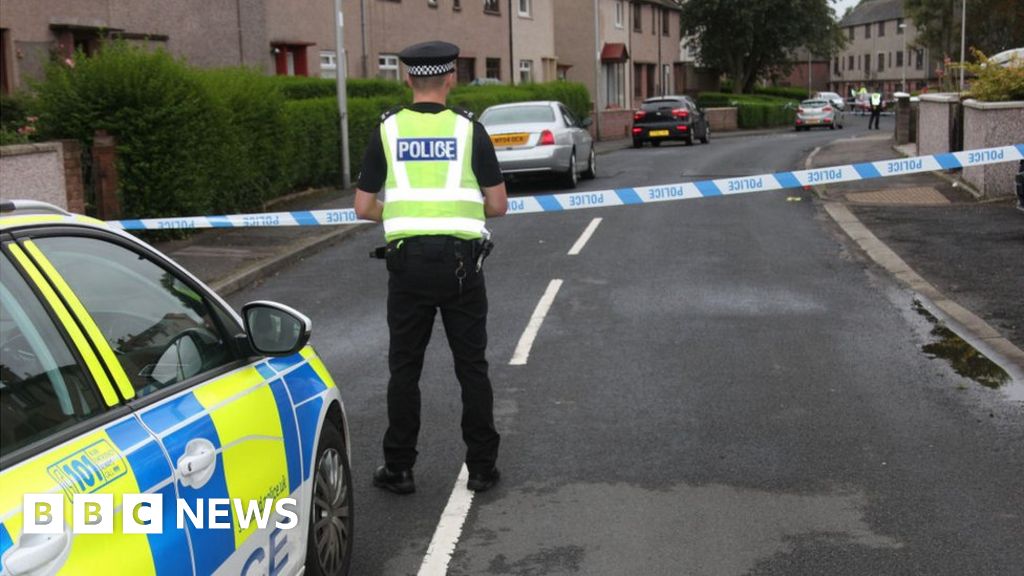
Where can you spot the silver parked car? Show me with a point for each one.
(812, 113)
(832, 97)
(541, 138)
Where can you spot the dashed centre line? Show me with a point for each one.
(522, 352)
(584, 237)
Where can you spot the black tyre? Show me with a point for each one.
(638, 143)
(706, 139)
(689, 141)
(329, 550)
(591, 172)
(572, 177)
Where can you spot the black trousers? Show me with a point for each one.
(876, 114)
(422, 281)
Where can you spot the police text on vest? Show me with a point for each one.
(430, 149)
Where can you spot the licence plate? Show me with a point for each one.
(509, 139)
(812, 121)
(658, 133)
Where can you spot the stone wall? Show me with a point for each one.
(722, 119)
(34, 172)
(990, 124)
(933, 126)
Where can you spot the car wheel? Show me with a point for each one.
(591, 172)
(329, 550)
(572, 177)
(707, 135)
(638, 143)
(689, 141)
(831, 126)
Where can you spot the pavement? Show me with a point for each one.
(960, 254)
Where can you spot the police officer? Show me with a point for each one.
(431, 175)
(876, 109)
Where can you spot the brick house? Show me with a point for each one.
(880, 51)
(275, 36)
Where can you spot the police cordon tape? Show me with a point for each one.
(625, 196)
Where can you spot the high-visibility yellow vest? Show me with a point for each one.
(876, 99)
(430, 189)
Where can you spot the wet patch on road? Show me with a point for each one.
(682, 529)
(965, 359)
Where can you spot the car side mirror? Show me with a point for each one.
(275, 329)
(586, 122)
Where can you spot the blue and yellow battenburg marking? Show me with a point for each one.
(257, 458)
(619, 196)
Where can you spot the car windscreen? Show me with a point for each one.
(517, 115)
(813, 104)
(655, 105)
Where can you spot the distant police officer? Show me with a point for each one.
(440, 180)
(876, 110)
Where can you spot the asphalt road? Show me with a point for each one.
(721, 387)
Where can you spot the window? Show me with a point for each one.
(493, 66)
(852, 32)
(881, 29)
(567, 116)
(899, 59)
(620, 12)
(614, 84)
(666, 78)
(835, 65)
(387, 67)
(161, 329)
(525, 71)
(638, 13)
(654, 21)
(492, 7)
(43, 388)
(849, 65)
(881, 62)
(867, 64)
(456, 5)
(666, 17)
(899, 26)
(524, 8)
(920, 60)
(890, 60)
(867, 30)
(465, 70)
(328, 64)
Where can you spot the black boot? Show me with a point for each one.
(400, 482)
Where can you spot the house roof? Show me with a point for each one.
(869, 11)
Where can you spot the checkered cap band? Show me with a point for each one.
(431, 69)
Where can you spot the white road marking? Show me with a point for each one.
(587, 233)
(449, 529)
(522, 352)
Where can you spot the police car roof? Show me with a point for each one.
(24, 213)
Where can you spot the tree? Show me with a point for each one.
(992, 25)
(746, 39)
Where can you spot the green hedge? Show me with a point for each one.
(790, 92)
(477, 98)
(197, 141)
(754, 110)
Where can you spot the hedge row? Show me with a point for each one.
(754, 110)
(194, 141)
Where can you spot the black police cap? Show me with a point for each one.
(430, 58)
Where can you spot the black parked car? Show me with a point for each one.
(669, 118)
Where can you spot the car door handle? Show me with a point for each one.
(196, 465)
(34, 552)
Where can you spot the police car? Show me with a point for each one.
(124, 375)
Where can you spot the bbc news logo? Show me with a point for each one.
(144, 513)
